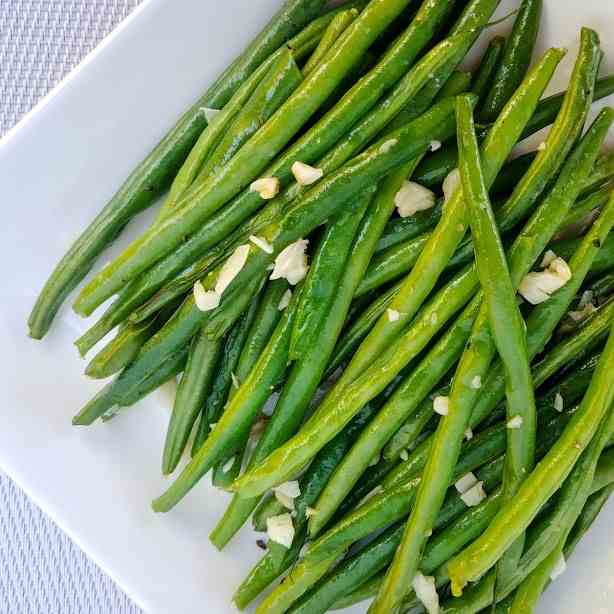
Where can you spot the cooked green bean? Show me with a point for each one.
(484, 75)
(506, 324)
(156, 171)
(323, 279)
(335, 28)
(191, 392)
(122, 349)
(261, 325)
(515, 59)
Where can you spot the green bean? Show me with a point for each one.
(506, 323)
(303, 446)
(544, 318)
(277, 558)
(335, 29)
(515, 59)
(261, 325)
(251, 159)
(156, 171)
(401, 229)
(552, 530)
(191, 392)
(218, 392)
(406, 436)
(484, 75)
(323, 279)
(360, 327)
(234, 424)
(476, 360)
(278, 75)
(122, 349)
(458, 83)
(543, 481)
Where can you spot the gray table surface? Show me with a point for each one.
(41, 570)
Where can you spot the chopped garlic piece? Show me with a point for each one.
(467, 482)
(404, 455)
(426, 592)
(558, 402)
(515, 422)
(468, 434)
(393, 315)
(231, 268)
(267, 187)
(538, 287)
(285, 300)
(435, 145)
(441, 405)
(450, 183)
(476, 382)
(412, 197)
(209, 113)
(280, 529)
(228, 464)
(549, 257)
(291, 488)
(205, 300)
(235, 380)
(287, 502)
(291, 262)
(559, 567)
(286, 493)
(305, 174)
(386, 146)
(310, 511)
(474, 496)
(261, 243)
(542, 146)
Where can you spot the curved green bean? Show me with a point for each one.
(486, 70)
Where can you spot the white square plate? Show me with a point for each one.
(57, 168)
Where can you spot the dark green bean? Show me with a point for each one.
(488, 63)
(515, 59)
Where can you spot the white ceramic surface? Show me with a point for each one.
(57, 168)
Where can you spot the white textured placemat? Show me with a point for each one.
(41, 570)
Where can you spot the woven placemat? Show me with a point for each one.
(41, 570)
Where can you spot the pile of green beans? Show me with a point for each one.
(392, 342)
